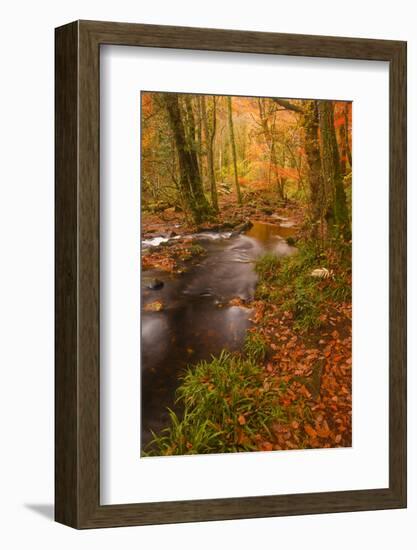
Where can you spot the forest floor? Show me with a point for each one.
(311, 369)
(297, 353)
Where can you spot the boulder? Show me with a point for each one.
(154, 284)
(243, 227)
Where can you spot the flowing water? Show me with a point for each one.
(196, 321)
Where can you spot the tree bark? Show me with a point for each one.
(346, 134)
(337, 212)
(190, 179)
(310, 123)
(199, 138)
(210, 135)
(233, 147)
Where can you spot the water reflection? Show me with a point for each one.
(265, 232)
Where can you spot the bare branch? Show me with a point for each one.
(288, 105)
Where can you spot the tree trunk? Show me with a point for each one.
(270, 142)
(220, 146)
(190, 179)
(344, 165)
(199, 138)
(310, 121)
(210, 135)
(233, 147)
(337, 212)
(346, 134)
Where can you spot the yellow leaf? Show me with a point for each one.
(154, 306)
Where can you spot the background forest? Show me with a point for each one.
(270, 177)
(196, 147)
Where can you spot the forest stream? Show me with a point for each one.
(197, 320)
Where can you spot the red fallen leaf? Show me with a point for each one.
(304, 391)
(324, 434)
(310, 431)
(241, 419)
(266, 446)
(285, 402)
(324, 430)
(278, 428)
(241, 438)
(295, 424)
(338, 438)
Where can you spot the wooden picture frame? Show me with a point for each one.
(77, 382)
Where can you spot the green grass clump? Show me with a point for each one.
(227, 402)
(267, 267)
(341, 291)
(197, 250)
(267, 292)
(305, 302)
(255, 347)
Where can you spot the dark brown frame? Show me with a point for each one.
(77, 373)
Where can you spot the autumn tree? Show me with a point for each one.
(337, 212)
(328, 197)
(268, 128)
(159, 165)
(343, 110)
(189, 175)
(210, 133)
(233, 147)
(310, 121)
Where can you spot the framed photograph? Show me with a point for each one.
(230, 274)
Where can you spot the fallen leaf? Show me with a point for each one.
(157, 305)
(310, 431)
(266, 446)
